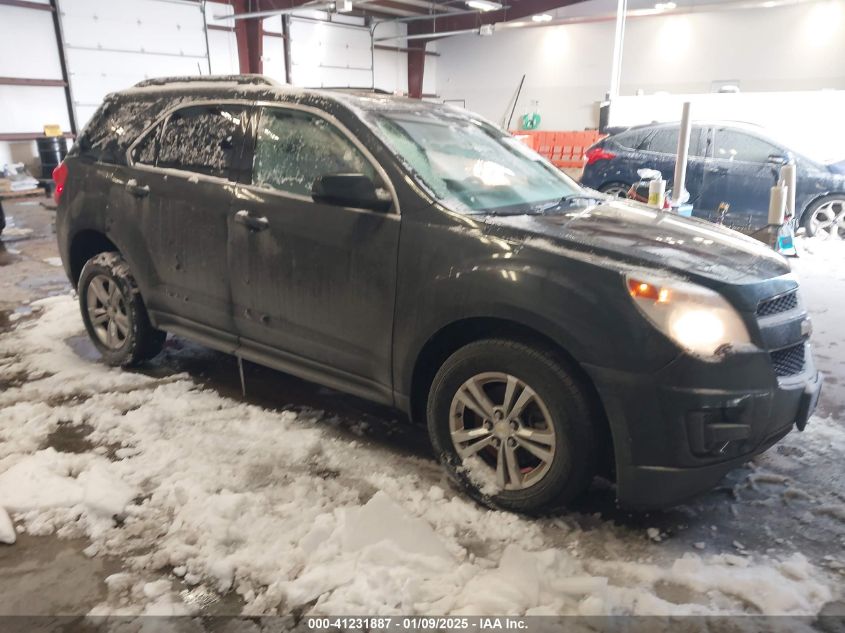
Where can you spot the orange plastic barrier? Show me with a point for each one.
(563, 149)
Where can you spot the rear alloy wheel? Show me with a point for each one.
(512, 426)
(107, 312)
(114, 314)
(825, 219)
(615, 189)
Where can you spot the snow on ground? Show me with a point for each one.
(197, 492)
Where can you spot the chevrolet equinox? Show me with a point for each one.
(415, 255)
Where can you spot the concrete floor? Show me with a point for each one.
(47, 575)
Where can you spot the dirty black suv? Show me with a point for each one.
(414, 255)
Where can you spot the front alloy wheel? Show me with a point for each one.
(503, 421)
(827, 221)
(513, 425)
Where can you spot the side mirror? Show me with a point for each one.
(777, 159)
(349, 190)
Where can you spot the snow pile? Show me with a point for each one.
(291, 513)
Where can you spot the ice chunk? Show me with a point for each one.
(7, 528)
(103, 493)
(382, 520)
(38, 481)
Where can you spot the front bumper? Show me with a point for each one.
(673, 441)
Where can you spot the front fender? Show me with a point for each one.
(582, 306)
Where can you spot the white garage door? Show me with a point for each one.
(113, 45)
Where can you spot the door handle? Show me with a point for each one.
(718, 170)
(139, 191)
(252, 222)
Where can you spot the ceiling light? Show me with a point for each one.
(768, 5)
(542, 17)
(665, 6)
(484, 5)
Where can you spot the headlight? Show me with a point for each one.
(698, 319)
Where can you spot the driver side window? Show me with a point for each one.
(735, 145)
(294, 148)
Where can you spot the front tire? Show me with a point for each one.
(114, 314)
(825, 218)
(512, 426)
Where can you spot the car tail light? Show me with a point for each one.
(59, 177)
(595, 154)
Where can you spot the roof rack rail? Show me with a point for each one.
(223, 79)
(378, 91)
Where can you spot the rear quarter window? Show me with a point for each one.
(117, 124)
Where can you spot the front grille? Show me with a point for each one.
(779, 304)
(789, 360)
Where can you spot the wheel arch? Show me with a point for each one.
(815, 199)
(459, 333)
(85, 245)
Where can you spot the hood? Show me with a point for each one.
(636, 235)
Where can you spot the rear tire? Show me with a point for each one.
(615, 189)
(114, 313)
(536, 458)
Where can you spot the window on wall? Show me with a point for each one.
(203, 139)
(294, 148)
(736, 145)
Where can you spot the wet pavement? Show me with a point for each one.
(746, 513)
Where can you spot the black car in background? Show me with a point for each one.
(414, 255)
(728, 162)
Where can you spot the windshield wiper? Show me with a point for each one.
(568, 200)
(581, 196)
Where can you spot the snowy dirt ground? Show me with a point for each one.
(164, 491)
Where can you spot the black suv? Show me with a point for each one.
(417, 256)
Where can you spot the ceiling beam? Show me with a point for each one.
(517, 9)
(424, 4)
(386, 6)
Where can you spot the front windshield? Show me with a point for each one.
(470, 166)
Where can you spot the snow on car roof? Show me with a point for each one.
(369, 99)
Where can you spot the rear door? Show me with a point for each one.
(313, 284)
(660, 152)
(739, 173)
(181, 187)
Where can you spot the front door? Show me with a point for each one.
(313, 283)
(181, 186)
(739, 173)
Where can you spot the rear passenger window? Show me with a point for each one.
(664, 140)
(203, 139)
(632, 139)
(294, 148)
(146, 151)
